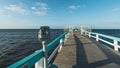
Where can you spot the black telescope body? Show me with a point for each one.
(44, 33)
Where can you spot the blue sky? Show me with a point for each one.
(31, 14)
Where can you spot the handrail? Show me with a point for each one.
(30, 60)
(96, 36)
(52, 44)
(106, 36)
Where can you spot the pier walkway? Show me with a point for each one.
(82, 52)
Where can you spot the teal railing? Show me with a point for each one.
(30, 60)
(106, 36)
(98, 36)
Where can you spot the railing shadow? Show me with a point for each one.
(112, 57)
(53, 66)
(81, 58)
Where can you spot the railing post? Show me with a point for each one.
(85, 33)
(66, 36)
(89, 34)
(61, 43)
(115, 45)
(39, 64)
(97, 37)
(43, 63)
(45, 55)
(81, 30)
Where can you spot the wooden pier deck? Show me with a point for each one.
(81, 52)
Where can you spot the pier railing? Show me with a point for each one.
(101, 37)
(36, 57)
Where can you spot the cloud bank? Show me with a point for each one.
(39, 8)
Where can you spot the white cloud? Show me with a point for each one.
(40, 13)
(40, 9)
(41, 4)
(16, 8)
(33, 8)
(74, 6)
(116, 9)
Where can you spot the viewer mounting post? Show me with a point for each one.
(43, 36)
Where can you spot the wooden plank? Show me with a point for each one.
(81, 52)
(67, 56)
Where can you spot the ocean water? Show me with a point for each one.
(17, 44)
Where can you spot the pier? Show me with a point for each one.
(76, 49)
(81, 52)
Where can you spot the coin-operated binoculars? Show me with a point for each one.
(44, 33)
(43, 36)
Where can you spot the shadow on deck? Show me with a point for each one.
(112, 61)
(86, 53)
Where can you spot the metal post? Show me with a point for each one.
(68, 34)
(65, 38)
(45, 54)
(115, 45)
(97, 37)
(72, 32)
(39, 64)
(81, 30)
(85, 33)
(89, 34)
(61, 43)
